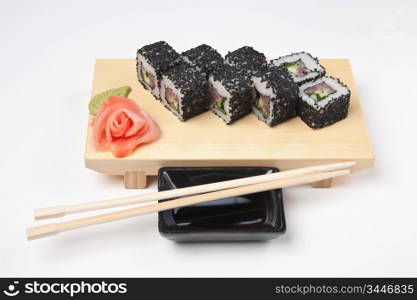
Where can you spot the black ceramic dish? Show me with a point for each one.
(258, 216)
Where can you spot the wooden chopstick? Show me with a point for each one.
(62, 210)
(55, 228)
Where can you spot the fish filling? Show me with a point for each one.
(172, 99)
(217, 101)
(262, 104)
(319, 91)
(297, 68)
(148, 78)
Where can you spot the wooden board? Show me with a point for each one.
(206, 141)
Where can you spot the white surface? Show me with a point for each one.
(366, 225)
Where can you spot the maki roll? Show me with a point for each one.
(246, 58)
(151, 61)
(302, 66)
(184, 91)
(231, 93)
(323, 102)
(204, 58)
(276, 96)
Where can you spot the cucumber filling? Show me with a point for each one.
(172, 99)
(319, 91)
(217, 101)
(262, 104)
(148, 78)
(297, 68)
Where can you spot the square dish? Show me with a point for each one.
(258, 216)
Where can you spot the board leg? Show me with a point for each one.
(135, 180)
(322, 183)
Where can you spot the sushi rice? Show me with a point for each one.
(261, 89)
(151, 61)
(225, 112)
(323, 102)
(147, 76)
(174, 106)
(276, 96)
(303, 63)
(184, 91)
(231, 93)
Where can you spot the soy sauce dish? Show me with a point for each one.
(257, 216)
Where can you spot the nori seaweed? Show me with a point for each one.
(284, 103)
(238, 83)
(193, 86)
(334, 111)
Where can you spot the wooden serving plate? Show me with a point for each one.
(206, 141)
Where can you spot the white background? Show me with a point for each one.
(366, 225)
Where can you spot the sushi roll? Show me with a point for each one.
(231, 93)
(276, 96)
(184, 91)
(323, 102)
(204, 57)
(151, 61)
(302, 66)
(246, 58)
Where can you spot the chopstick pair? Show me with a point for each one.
(199, 194)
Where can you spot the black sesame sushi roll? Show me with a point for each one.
(151, 61)
(204, 58)
(276, 96)
(246, 58)
(184, 91)
(231, 93)
(323, 102)
(302, 66)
